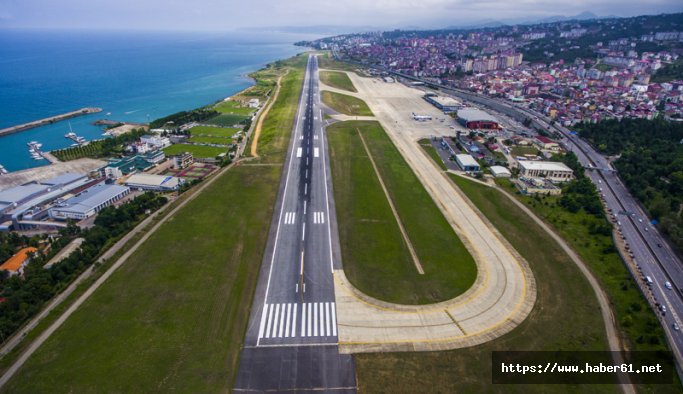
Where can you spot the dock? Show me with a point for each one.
(50, 120)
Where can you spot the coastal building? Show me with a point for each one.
(253, 103)
(467, 163)
(155, 141)
(157, 183)
(88, 202)
(473, 118)
(15, 265)
(551, 170)
(117, 168)
(182, 160)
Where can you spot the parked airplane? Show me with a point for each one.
(421, 118)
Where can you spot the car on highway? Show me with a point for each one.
(675, 326)
(668, 285)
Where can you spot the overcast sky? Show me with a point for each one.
(234, 14)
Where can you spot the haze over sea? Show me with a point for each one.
(137, 76)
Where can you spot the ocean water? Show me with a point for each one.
(137, 76)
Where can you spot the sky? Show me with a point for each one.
(217, 15)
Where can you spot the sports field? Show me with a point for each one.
(200, 139)
(226, 132)
(376, 258)
(233, 107)
(196, 150)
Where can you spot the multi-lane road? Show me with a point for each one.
(652, 254)
(291, 343)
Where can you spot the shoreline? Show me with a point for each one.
(50, 168)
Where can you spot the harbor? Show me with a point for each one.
(50, 120)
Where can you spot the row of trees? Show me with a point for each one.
(23, 297)
(102, 148)
(650, 164)
(180, 118)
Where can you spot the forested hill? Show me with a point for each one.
(651, 165)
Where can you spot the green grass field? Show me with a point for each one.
(185, 336)
(233, 107)
(635, 318)
(524, 150)
(375, 257)
(210, 140)
(226, 120)
(173, 318)
(345, 104)
(565, 317)
(431, 151)
(196, 150)
(337, 80)
(273, 142)
(213, 131)
(326, 61)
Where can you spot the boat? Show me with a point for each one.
(70, 135)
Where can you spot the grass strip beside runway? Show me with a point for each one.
(565, 317)
(173, 317)
(374, 255)
(337, 80)
(347, 105)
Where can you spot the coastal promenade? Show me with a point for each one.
(50, 120)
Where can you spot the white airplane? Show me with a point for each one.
(421, 118)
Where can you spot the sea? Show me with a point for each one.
(133, 76)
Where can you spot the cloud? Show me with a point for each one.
(230, 14)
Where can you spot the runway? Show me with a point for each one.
(291, 342)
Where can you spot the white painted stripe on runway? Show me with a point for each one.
(270, 320)
(303, 320)
(327, 319)
(275, 320)
(309, 320)
(298, 152)
(304, 207)
(294, 321)
(315, 137)
(302, 137)
(282, 322)
(303, 233)
(315, 317)
(322, 319)
(263, 321)
(316, 152)
(334, 320)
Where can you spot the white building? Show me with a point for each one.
(551, 170)
(157, 183)
(500, 172)
(253, 103)
(467, 163)
(88, 202)
(155, 141)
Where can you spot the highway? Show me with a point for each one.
(291, 342)
(651, 253)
